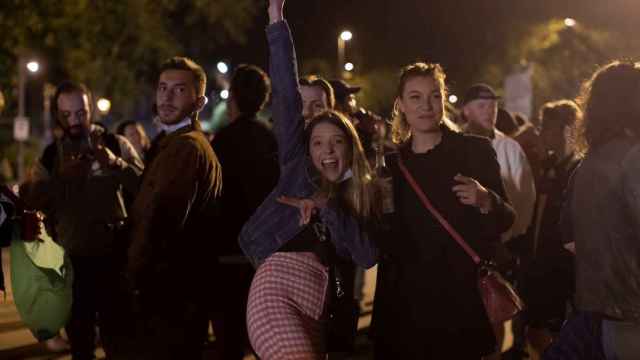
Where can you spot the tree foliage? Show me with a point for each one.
(562, 57)
(115, 46)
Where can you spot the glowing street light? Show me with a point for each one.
(349, 66)
(33, 66)
(223, 68)
(104, 105)
(569, 22)
(346, 35)
(224, 94)
(453, 99)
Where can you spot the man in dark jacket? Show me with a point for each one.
(173, 219)
(79, 183)
(549, 283)
(248, 153)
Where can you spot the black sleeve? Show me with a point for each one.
(48, 158)
(485, 169)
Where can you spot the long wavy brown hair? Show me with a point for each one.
(358, 192)
(610, 102)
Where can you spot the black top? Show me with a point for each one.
(553, 185)
(313, 238)
(247, 151)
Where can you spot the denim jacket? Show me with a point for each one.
(273, 223)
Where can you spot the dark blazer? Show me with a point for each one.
(248, 154)
(173, 218)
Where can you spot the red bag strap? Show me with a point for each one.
(427, 204)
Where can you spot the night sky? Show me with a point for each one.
(456, 33)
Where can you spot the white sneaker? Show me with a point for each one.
(57, 344)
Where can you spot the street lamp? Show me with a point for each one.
(104, 105)
(222, 67)
(569, 22)
(344, 36)
(224, 94)
(349, 67)
(33, 66)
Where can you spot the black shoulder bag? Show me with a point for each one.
(343, 310)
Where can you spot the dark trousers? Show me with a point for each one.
(98, 300)
(229, 315)
(169, 325)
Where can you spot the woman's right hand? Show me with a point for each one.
(276, 11)
(307, 207)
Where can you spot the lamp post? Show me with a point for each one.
(21, 122)
(342, 41)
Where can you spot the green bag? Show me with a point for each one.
(42, 279)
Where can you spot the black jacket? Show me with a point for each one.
(248, 154)
(427, 293)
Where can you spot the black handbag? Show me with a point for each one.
(342, 310)
(343, 313)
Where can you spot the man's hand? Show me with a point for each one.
(470, 192)
(276, 9)
(105, 157)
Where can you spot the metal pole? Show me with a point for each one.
(21, 112)
(49, 90)
(341, 46)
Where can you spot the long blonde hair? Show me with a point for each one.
(358, 192)
(400, 129)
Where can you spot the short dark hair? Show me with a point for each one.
(561, 112)
(123, 125)
(250, 88)
(186, 64)
(505, 122)
(68, 87)
(314, 80)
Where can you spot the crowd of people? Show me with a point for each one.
(264, 231)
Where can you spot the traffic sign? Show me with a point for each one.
(21, 128)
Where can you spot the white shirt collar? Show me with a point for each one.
(168, 129)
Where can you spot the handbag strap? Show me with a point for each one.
(427, 204)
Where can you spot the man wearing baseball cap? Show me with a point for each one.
(345, 96)
(480, 109)
(365, 121)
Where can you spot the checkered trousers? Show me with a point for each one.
(286, 307)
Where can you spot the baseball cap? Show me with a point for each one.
(479, 91)
(341, 89)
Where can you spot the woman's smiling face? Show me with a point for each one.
(330, 151)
